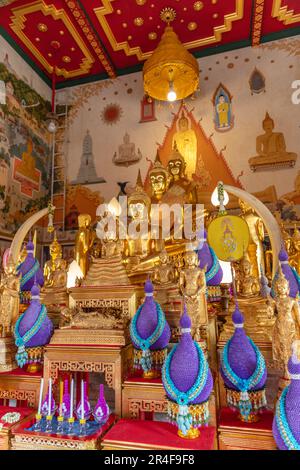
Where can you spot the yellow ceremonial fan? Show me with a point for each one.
(228, 236)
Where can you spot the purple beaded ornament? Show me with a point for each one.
(101, 410)
(286, 423)
(289, 273)
(30, 270)
(150, 334)
(243, 371)
(207, 257)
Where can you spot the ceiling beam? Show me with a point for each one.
(257, 19)
(83, 22)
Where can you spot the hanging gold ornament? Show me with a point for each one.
(171, 73)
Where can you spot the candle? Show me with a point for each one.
(71, 398)
(49, 397)
(41, 396)
(82, 399)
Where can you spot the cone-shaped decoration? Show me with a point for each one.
(32, 330)
(207, 257)
(101, 411)
(286, 424)
(188, 381)
(244, 371)
(150, 333)
(170, 62)
(31, 272)
(289, 273)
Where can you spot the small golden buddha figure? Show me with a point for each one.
(257, 235)
(84, 241)
(55, 270)
(186, 140)
(247, 284)
(287, 325)
(192, 285)
(164, 272)
(159, 179)
(295, 258)
(271, 147)
(9, 299)
(139, 209)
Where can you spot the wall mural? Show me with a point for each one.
(24, 150)
(224, 118)
(87, 173)
(257, 82)
(127, 154)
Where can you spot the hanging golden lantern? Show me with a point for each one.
(171, 73)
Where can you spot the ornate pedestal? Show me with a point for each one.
(28, 440)
(140, 396)
(6, 429)
(20, 386)
(54, 301)
(236, 435)
(78, 350)
(135, 435)
(7, 354)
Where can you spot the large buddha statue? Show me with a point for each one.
(271, 148)
(84, 241)
(257, 235)
(186, 141)
(181, 189)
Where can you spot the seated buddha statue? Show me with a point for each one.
(127, 154)
(164, 272)
(186, 141)
(181, 189)
(55, 270)
(271, 147)
(295, 258)
(247, 284)
(138, 210)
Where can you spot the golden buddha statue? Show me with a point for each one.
(159, 179)
(287, 325)
(186, 141)
(295, 258)
(55, 270)
(192, 285)
(257, 235)
(271, 148)
(84, 241)
(164, 273)
(9, 299)
(247, 284)
(139, 209)
(181, 189)
(287, 240)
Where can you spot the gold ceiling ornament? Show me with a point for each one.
(138, 21)
(192, 26)
(42, 27)
(171, 72)
(198, 6)
(140, 2)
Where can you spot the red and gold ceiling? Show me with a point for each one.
(83, 40)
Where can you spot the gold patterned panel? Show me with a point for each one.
(107, 8)
(284, 14)
(18, 24)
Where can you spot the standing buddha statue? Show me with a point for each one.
(192, 286)
(84, 241)
(287, 325)
(257, 235)
(186, 141)
(9, 298)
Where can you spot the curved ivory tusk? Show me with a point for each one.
(22, 232)
(267, 217)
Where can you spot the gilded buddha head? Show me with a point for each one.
(158, 178)
(281, 285)
(163, 257)
(139, 202)
(191, 259)
(84, 220)
(55, 249)
(176, 165)
(268, 124)
(246, 266)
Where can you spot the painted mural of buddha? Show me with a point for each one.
(27, 166)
